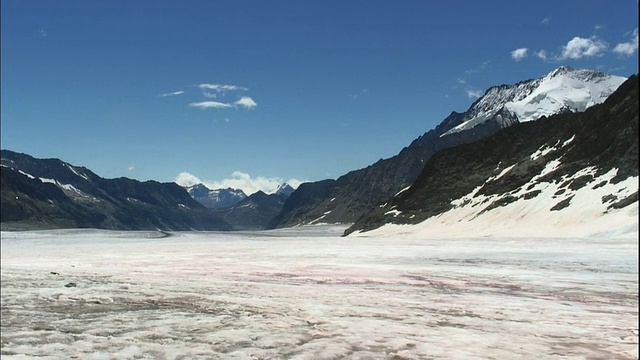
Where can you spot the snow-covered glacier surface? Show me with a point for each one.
(307, 293)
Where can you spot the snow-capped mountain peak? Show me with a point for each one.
(284, 189)
(217, 198)
(565, 89)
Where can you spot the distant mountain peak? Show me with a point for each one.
(576, 73)
(565, 89)
(285, 189)
(215, 198)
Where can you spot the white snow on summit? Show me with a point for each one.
(565, 89)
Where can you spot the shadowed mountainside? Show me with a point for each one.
(570, 151)
(50, 193)
(360, 191)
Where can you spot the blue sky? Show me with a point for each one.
(249, 93)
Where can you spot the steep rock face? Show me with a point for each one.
(562, 90)
(50, 193)
(532, 169)
(254, 212)
(306, 197)
(33, 204)
(285, 189)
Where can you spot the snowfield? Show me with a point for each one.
(306, 293)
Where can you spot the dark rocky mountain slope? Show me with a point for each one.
(537, 168)
(360, 191)
(254, 212)
(299, 205)
(50, 193)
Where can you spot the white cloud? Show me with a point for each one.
(478, 69)
(474, 93)
(221, 88)
(212, 91)
(519, 54)
(248, 184)
(578, 48)
(295, 183)
(210, 105)
(628, 48)
(246, 102)
(546, 21)
(172, 93)
(542, 54)
(131, 167)
(239, 180)
(186, 179)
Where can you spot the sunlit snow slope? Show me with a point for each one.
(563, 90)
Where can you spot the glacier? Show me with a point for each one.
(306, 293)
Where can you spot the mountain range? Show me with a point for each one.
(564, 90)
(254, 212)
(215, 198)
(576, 169)
(408, 188)
(50, 193)
(242, 212)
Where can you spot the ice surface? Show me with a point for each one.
(306, 293)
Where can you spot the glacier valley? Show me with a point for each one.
(307, 293)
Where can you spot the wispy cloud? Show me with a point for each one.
(172, 93)
(542, 54)
(474, 93)
(238, 180)
(246, 102)
(546, 21)
(519, 54)
(628, 48)
(219, 92)
(210, 105)
(221, 88)
(462, 83)
(479, 68)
